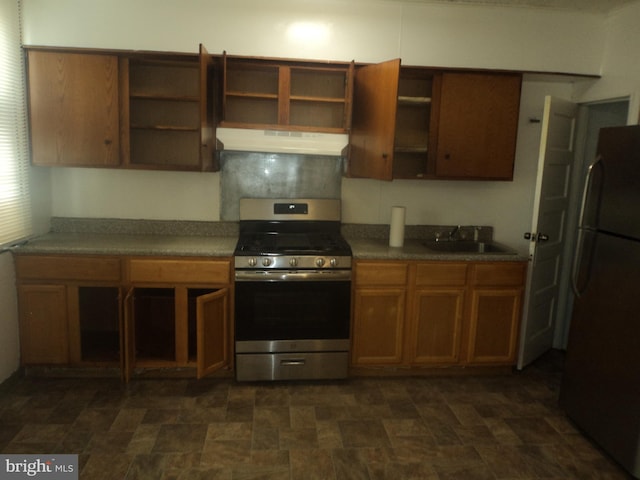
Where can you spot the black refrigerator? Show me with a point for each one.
(600, 389)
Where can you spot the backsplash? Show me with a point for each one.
(276, 175)
(119, 226)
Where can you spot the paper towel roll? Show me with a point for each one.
(396, 233)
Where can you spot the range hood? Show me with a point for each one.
(279, 141)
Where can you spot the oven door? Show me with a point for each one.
(292, 311)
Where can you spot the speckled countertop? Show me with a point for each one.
(218, 239)
(372, 241)
(379, 249)
(135, 237)
(122, 244)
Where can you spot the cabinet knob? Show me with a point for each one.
(108, 141)
(385, 155)
(447, 156)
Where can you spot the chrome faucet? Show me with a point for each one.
(454, 234)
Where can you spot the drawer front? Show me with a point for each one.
(499, 274)
(68, 267)
(441, 274)
(179, 271)
(380, 273)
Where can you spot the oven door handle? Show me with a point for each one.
(292, 276)
(293, 362)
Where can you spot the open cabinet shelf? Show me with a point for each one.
(413, 124)
(285, 95)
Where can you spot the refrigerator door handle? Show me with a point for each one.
(584, 230)
(586, 191)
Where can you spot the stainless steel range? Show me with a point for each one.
(293, 291)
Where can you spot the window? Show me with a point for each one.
(15, 208)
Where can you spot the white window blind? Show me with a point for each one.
(15, 209)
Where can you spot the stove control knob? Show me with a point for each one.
(319, 262)
(333, 262)
(293, 261)
(266, 261)
(252, 262)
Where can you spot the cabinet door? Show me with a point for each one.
(477, 125)
(496, 303)
(375, 102)
(378, 326)
(495, 320)
(208, 112)
(213, 331)
(73, 109)
(43, 324)
(436, 326)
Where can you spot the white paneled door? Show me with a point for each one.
(548, 229)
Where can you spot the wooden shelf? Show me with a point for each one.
(175, 98)
(164, 128)
(414, 101)
(411, 149)
(270, 96)
(316, 99)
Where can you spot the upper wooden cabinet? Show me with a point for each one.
(167, 111)
(393, 116)
(155, 110)
(477, 125)
(413, 122)
(74, 109)
(127, 109)
(287, 95)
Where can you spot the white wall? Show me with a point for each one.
(620, 67)
(106, 193)
(365, 30)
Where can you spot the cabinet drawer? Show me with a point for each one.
(381, 273)
(71, 267)
(179, 271)
(441, 274)
(499, 274)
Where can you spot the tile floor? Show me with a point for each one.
(427, 428)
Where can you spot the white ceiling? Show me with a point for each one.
(597, 6)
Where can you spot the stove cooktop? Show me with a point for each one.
(316, 243)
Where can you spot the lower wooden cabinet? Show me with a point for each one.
(128, 313)
(496, 305)
(417, 314)
(379, 313)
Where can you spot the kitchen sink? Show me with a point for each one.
(462, 246)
